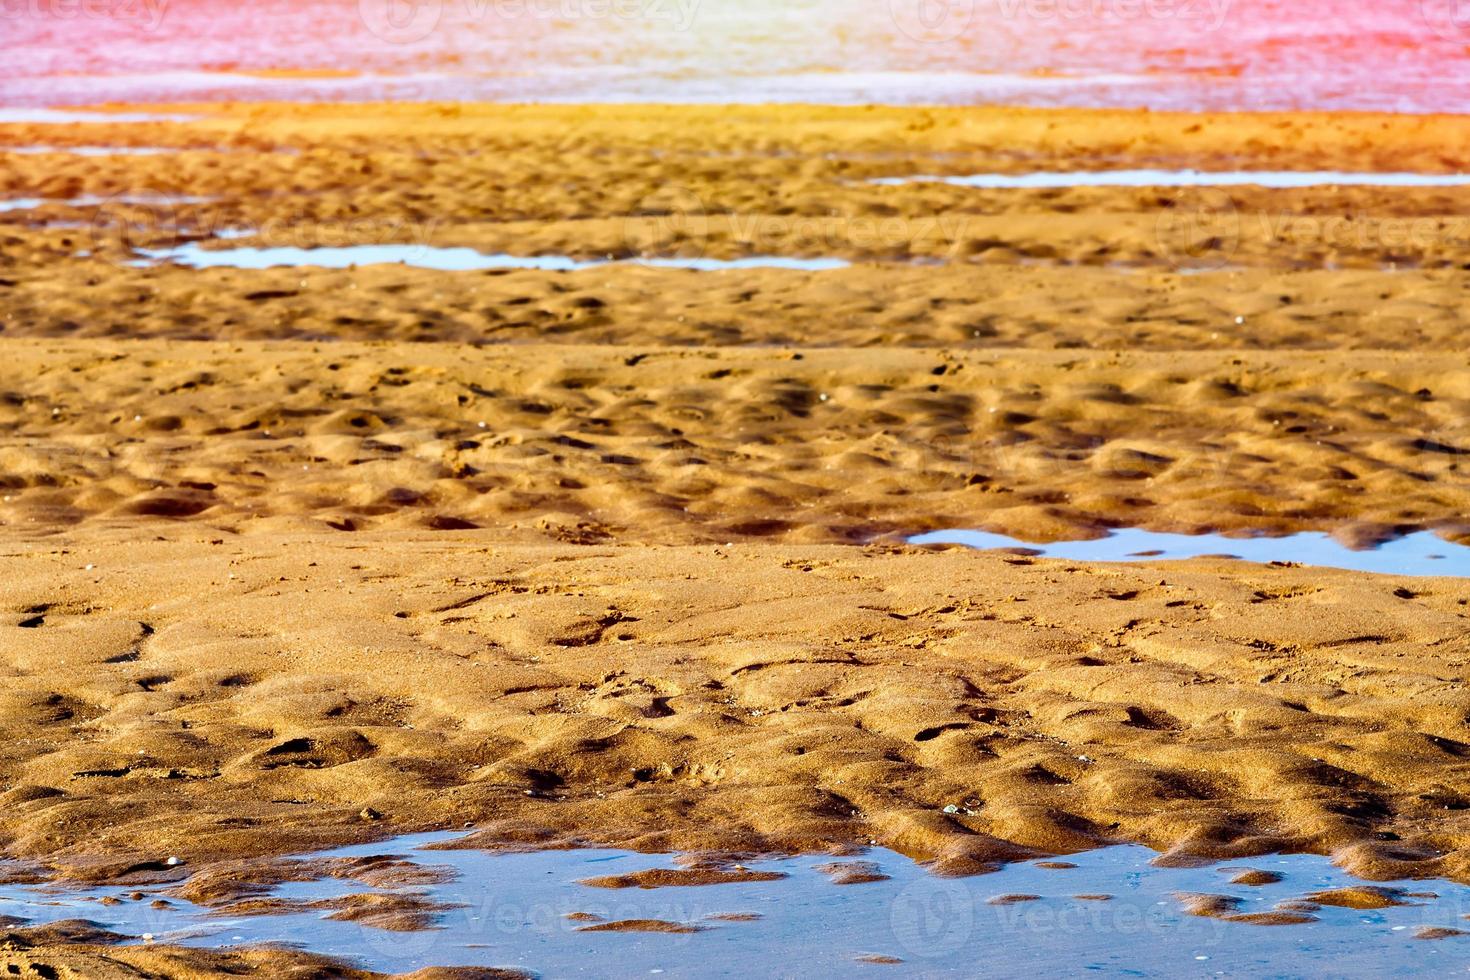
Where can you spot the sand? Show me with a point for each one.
(297, 558)
(760, 697)
(645, 445)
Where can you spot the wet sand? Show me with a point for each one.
(295, 558)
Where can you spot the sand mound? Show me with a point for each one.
(951, 705)
(590, 445)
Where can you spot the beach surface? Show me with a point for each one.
(297, 557)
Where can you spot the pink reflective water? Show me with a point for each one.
(1399, 55)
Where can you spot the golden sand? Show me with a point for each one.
(301, 557)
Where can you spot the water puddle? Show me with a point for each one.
(453, 259)
(94, 201)
(557, 913)
(1422, 553)
(1283, 179)
(91, 151)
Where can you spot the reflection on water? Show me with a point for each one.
(1110, 911)
(1413, 554)
(452, 259)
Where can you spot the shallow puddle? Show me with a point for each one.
(556, 913)
(453, 259)
(91, 151)
(1423, 553)
(1188, 178)
(93, 201)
